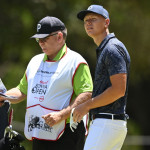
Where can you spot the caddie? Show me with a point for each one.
(54, 82)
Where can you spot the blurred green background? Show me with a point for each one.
(129, 20)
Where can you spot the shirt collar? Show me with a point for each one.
(106, 39)
(59, 55)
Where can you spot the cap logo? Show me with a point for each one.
(105, 16)
(38, 27)
(90, 7)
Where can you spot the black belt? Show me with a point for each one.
(110, 116)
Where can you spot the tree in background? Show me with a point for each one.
(131, 18)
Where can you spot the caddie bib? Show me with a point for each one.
(50, 88)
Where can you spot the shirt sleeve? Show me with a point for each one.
(23, 85)
(115, 62)
(82, 81)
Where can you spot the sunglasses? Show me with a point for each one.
(44, 39)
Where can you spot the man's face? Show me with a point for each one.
(94, 24)
(49, 45)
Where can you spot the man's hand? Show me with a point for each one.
(53, 118)
(79, 112)
(1, 103)
(2, 99)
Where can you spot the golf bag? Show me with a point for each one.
(9, 139)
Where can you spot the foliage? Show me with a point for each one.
(129, 21)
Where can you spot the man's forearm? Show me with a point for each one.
(15, 92)
(107, 97)
(81, 98)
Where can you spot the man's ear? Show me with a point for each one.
(107, 22)
(60, 36)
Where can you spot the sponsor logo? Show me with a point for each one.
(38, 27)
(42, 82)
(36, 122)
(41, 98)
(39, 89)
(47, 72)
(90, 8)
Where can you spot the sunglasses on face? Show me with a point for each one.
(44, 39)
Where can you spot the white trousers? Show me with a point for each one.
(106, 134)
